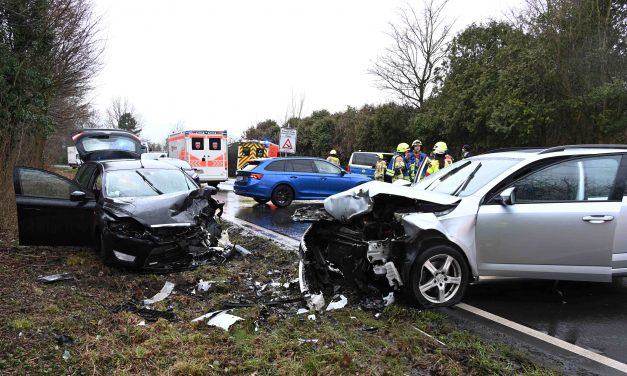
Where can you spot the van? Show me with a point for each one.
(363, 162)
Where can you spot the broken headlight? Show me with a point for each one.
(127, 227)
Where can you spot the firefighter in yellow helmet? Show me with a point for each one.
(379, 168)
(398, 169)
(333, 157)
(439, 160)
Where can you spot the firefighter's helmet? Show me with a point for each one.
(440, 148)
(416, 142)
(402, 147)
(333, 152)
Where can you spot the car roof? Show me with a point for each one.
(131, 164)
(287, 159)
(564, 150)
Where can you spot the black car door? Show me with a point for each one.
(51, 209)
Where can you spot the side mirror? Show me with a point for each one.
(208, 191)
(78, 196)
(507, 197)
(342, 173)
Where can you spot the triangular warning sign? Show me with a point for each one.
(287, 144)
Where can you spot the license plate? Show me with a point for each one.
(239, 178)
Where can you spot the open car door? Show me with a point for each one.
(51, 209)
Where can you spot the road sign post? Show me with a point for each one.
(287, 144)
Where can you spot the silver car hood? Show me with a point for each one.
(345, 205)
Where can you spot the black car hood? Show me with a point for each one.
(173, 208)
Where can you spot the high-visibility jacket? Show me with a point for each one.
(379, 170)
(434, 166)
(398, 168)
(334, 160)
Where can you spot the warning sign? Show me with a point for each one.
(288, 140)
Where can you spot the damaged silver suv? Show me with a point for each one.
(556, 213)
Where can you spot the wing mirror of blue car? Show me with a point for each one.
(343, 172)
(208, 191)
(507, 197)
(78, 196)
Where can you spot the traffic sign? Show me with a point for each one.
(288, 140)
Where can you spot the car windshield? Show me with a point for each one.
(145, 182)
(465, 177)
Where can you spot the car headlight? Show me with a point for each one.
(444, 212)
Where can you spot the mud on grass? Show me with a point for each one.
(270, 340)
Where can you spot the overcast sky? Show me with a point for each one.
(230, 64)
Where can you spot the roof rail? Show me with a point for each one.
(586, 146)
(519, 148)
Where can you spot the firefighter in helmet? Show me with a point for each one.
(398, 168)
(333, 157)
(439, 160)
(379, 168)
(420, 158)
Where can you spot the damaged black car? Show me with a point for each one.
(137, 213)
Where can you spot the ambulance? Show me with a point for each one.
(251, 150)
(205, 151)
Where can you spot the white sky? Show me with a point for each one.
(230, 64)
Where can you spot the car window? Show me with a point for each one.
(111, 142)
(39, 183)
(300, 165)
(250, 166)
(145, 182)
(364, 159)
(276, 166)
(84, 174)
(259, 152)
(589, 179)
(327, 168)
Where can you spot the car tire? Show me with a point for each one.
(439, 277)
(262, 200)
(282, 196)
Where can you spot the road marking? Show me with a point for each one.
(546, 338)
(272, 235)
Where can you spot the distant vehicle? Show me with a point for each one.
(136, 212)
(154, 155)
(73, 159)
(206, 151)
(282, 180)
(364, 162)
(252, 150)
(189, 170)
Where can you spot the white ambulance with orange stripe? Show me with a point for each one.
(206, 151)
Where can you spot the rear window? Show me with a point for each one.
(276, 166)
(250, 166)
(111, 142)
(364, 159)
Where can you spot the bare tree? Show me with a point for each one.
(120, 113)
(295, 109)
(407, 68)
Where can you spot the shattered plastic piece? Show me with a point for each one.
(341, 303)
(166, 290)
(145, 312)
(55, 278)
(142, 323)
(316, 302)
(221, 319)
(389, 299)
(66, 355)
(307, 340)
(369, 329)
(241, 250)
(311, 317)
(377, 315)
(302, 311)
(203, 285)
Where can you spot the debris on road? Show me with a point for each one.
(337, 303)
(55, 278)
(166, 290)
(221, 319)
(145, 312)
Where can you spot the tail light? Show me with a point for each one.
(256, 176)
(349, 168)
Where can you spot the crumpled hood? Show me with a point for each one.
(181, 207)
(345, 205)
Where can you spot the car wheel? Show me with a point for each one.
(262, 200)
(106, 254)
(282, 196)
(439, 277)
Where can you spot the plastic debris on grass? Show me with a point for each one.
(55, 278)
(221, 319)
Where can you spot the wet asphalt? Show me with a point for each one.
(590, 315)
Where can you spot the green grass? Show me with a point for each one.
(269, 341)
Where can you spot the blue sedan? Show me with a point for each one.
(282, 180)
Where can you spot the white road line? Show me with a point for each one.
(546, 338)
(272, 235)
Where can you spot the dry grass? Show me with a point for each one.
(268, 341)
